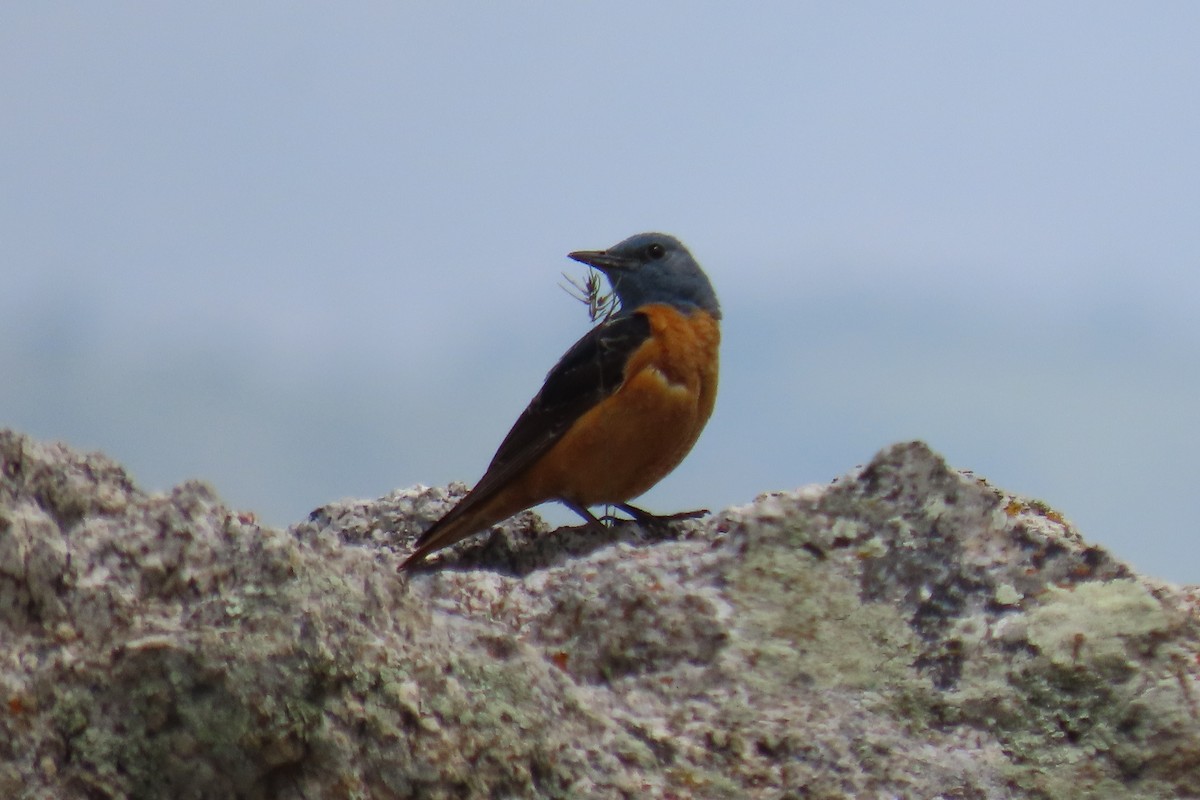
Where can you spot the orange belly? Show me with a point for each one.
(637, 435)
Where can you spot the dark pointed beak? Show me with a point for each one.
(601, 260)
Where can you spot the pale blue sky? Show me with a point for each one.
(307, 251)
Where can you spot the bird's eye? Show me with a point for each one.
(656, 251)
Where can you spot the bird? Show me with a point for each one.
(621, 408)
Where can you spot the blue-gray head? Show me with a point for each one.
(653, 268)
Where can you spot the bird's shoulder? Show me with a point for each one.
(595, 364)
(670, 321)
(591, 369)
(682, 343)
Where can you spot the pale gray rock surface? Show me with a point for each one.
(907, 631)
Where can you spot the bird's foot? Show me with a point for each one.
(596, 524)
(643, 517)
(640, 516)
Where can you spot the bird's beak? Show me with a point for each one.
(602, 260)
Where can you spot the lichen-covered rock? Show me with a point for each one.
(908, 631)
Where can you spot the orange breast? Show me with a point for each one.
(633, 438)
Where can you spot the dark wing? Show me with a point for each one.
(587, 373)
(591, 370)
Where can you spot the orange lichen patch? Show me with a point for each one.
(1047, 512)
(1016, 506)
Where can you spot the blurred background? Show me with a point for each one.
(307, 251)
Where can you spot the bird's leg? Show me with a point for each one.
(643, 517)
(592, 522)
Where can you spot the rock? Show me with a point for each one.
(907, 631)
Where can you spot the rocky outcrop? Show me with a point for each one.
(907, 631)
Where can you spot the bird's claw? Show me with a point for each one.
(643, 517)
